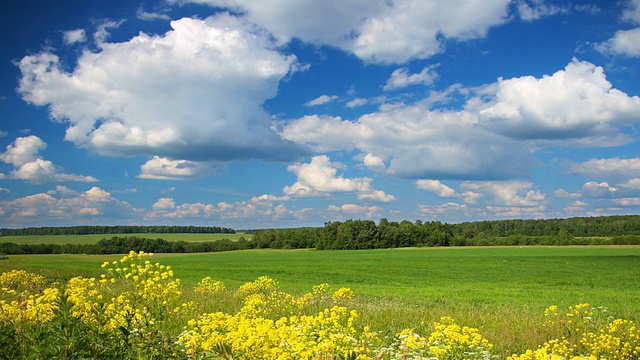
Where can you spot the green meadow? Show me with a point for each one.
(503, 291)
(94, 238)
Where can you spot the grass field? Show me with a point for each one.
(502, 291)
(94, 238)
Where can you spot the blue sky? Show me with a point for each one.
(285, 113)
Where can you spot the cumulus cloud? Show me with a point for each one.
(624, 42)
(614, 168)
(23, 150)
(257, 210)
(167, 169)
(417, 143)
(24, 155)
(577, 102)
(377, 196)
(320, 100)
(374, 163)
(594, 189)
(320, 177)
(64, 205)
(576, 106)
(376, 31)
(401, 78)
(507, 193)
(193, 93)
(74, 36)
(436, 187)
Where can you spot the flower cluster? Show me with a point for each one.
(209, 286)
(589, 333)
(448, 341)
(23, 299)
(136, 309)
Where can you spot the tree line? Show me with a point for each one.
(117, 229)
(366, 234)
(122, 245)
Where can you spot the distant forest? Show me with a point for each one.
(122, 245)
(352, 235)
(118, 229)
(366, 234)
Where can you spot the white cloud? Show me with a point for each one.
(356, 102)
(632, 12)
(417, 143)
(410, 29)
(594, 189)
(576, 207)
(564, 194)
(23, 150)
(624, 42)
(167, 169)
(43, 171)
(631, 184)
(436, 187)
(74, 36)
(375, 31)
(24, 155)
(530, 10)
(164, 204)
(269, 198)
(193, 93)
(320, 176)
(259, 210)
(320, 100)
(449, 210)
(354, 209)
(607, 168)
(628, 202)
(374, 163)
(575, 103)
(64, 205)
(149, 16)
(377, 196)
(401, 78)
(514, 212)
(507, 193)
(575, 106)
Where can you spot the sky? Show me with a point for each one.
(286, 113)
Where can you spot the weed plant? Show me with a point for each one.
(137, 309)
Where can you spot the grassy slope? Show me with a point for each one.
(94, 238)
(503, 291)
